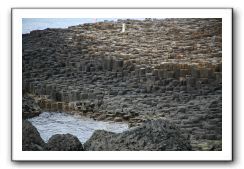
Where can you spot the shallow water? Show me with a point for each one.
(50, 123)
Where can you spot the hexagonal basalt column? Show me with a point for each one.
(176, 72)
(54, 106)
(218, 68)
(170, 74)
(218, 77)
(162, 73)
(203, 73)
(60, 106)
(184, 72)
(65, 97)
(190, 82)
(108, 63)
(48, 89)
(48, 105)
(142, 71)
(87, 68)
(83, 96)
(155, 72)
(195, 72)
(118, 65)
(210, 73)
(91, 95)
(182, 81)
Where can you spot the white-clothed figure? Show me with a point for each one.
(123, 27)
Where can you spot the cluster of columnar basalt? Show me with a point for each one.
(157, 68)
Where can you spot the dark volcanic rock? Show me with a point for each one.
(108, 75)
(159, 135)
(31, 139)
(100, 141)
(29, 107)
(64, 142)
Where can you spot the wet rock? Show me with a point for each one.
(64, 142)
(156, 135)
(31, 139)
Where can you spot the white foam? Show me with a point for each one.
(50, 123)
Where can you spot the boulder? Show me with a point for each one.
(158, 135)
(31, 139)
(64, 142)
(100, 141)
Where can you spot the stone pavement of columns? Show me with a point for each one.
(156, 68)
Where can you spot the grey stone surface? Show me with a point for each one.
(63, 142)
(158, 135)
(157, 68)
(31, 139)
(29, 107)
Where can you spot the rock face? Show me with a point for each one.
(158, 135)
(29, 107)
(64, 142)
(31, 139)
(170, 68)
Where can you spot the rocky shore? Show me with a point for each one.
(157, 135)
(157, 69)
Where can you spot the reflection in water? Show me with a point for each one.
(49, 123)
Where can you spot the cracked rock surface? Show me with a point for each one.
(156, 135)
(157, 69)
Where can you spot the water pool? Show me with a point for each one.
(50, 123)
